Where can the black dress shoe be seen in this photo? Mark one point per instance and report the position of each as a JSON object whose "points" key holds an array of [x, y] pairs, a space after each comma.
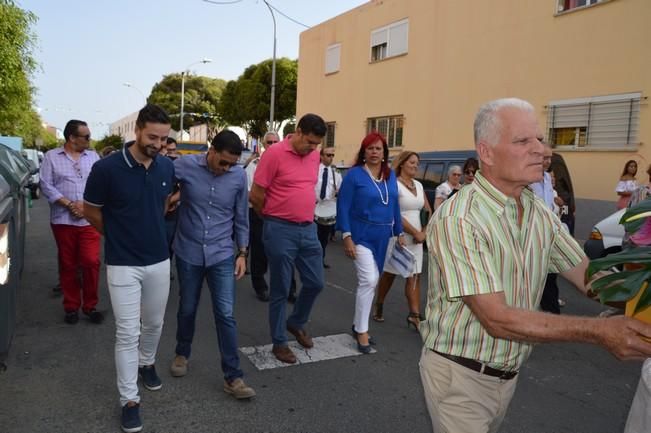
{"points": [[326, 266], [71, 317], [262, 296], [94, 316]]}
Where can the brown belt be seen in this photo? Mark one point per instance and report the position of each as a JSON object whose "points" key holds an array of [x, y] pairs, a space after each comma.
{"points": [[479, 367]]}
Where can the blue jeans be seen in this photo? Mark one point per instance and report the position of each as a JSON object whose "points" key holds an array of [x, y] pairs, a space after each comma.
{"points": [[288, 245], [221, 282]]}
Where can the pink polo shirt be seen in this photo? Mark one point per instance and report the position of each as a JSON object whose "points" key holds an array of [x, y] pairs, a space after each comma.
{"points": [[289, 180]]}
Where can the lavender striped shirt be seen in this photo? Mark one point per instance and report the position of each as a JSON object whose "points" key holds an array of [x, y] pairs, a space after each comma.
{"points": [[62, 176]]}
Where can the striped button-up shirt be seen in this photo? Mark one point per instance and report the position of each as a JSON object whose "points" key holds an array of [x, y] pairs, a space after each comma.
{"points": [[62, 176], [476, 247]]}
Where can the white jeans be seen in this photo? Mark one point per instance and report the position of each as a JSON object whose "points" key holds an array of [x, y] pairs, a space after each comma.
{"points": [[139, 297], [367, 278]]}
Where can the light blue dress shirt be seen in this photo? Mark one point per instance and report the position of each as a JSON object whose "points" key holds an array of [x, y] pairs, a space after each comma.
{"points": [[213, 214]]}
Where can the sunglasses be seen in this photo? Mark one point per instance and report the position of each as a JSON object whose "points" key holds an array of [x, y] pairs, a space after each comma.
{"points": [[329, 155], [470, 172], [85, 137], [271, 141], [223, 163]]}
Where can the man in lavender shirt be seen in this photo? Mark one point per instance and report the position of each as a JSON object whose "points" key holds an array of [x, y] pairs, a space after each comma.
{"points": [[63, 178], [211, 244]]}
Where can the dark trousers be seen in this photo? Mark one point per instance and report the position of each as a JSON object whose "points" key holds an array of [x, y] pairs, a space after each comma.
{"points": [[257, 256], [258, 259], [324, 232], [549, 300]]}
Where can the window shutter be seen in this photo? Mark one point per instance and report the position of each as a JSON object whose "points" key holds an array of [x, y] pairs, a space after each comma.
{"points": [[332, 59], [614, 123], [570, 116], [379, 37], [398, 38]]}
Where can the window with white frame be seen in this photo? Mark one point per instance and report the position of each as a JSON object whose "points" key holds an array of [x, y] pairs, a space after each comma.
{"points": [[329, 139], [332, 58], [609, 121], [389, 41], [566, 5], [390, 126]]}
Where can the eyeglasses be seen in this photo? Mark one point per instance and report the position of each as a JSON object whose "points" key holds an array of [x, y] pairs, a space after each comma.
{"points": [[329, 155], [271, 141], [85, 137], [456, 174]]}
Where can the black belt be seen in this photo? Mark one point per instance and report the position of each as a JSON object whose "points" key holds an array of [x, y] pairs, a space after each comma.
{"points": [[284, 221], [478, 366]]}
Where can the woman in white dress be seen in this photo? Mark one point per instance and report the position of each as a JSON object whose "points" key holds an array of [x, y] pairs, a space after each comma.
{"points": [[444, 190], [627, 184], [412, 200]]}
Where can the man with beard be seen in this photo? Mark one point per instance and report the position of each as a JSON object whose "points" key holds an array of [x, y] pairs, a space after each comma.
{"points": [[63, 178], [126, 197]]}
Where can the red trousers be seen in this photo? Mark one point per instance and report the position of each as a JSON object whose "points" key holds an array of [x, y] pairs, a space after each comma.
{"points": [[78, 251]]}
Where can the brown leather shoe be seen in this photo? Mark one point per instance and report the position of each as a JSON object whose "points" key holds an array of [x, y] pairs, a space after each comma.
{"points": [[284, 354], [302, 337]]}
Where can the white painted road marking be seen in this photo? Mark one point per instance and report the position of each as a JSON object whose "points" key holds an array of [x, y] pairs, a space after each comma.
{"points": [[325, 348]]}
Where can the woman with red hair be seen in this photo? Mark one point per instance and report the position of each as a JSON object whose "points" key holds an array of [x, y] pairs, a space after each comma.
{"points": [[368, 215]]}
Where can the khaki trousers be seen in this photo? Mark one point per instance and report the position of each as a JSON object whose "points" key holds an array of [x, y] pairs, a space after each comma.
{"points": [[460, 400]]}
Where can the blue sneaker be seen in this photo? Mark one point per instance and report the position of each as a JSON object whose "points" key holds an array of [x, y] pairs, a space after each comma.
{"points": [[149, 377], [131, 419]]}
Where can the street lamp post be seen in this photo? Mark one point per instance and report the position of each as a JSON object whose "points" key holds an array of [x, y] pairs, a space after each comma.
{"points": [[204, 60], [273, 72], [127, 84]]}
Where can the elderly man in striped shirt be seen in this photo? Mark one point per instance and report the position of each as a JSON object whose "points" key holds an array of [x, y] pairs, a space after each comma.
{"points": [[491, 248]]}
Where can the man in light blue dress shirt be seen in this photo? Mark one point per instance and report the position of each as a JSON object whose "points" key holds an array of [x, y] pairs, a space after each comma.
{"points": [[211, 243]]}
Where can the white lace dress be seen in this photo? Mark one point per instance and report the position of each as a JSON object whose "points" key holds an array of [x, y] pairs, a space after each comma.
{"points": [[410, 207]]}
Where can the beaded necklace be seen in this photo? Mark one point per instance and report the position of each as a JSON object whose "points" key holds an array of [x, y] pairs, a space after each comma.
{"points": [[375, 181]]}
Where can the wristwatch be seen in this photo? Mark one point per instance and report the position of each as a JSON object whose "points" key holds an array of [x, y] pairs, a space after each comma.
{"points": [[243, 253]]}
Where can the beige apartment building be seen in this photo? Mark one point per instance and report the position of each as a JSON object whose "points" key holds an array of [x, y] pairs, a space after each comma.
{"points": [[417, 70]]}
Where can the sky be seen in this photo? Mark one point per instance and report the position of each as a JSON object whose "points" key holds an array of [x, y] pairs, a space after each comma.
{"points": [[88, 49]]}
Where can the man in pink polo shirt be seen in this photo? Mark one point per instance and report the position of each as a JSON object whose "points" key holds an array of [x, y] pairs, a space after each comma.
{"points": [[283, 193]]}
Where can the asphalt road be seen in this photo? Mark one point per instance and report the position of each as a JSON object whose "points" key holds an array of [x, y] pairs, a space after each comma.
{"points": [[61, 378]]}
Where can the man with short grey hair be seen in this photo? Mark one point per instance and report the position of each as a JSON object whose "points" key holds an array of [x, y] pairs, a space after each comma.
{"points": [[491, 247]]}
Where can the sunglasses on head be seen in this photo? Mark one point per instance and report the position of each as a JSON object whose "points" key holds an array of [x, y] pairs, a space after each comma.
{"points": [[85, 137]]}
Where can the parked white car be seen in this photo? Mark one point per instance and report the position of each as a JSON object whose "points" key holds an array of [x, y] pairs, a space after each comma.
{"points": [[606, 237]]}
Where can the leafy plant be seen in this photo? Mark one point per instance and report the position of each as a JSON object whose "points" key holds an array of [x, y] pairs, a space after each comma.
{"points": [[636, 258]]}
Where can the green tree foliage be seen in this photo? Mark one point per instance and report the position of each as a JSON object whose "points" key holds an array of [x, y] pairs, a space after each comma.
{"points": [[17, 117], [202, 95], [245, 101], [109, 140], [49, 141]]}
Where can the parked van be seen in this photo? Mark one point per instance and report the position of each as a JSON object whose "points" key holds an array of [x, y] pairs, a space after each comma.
{"points": [[433, 170], [434, 166]]}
